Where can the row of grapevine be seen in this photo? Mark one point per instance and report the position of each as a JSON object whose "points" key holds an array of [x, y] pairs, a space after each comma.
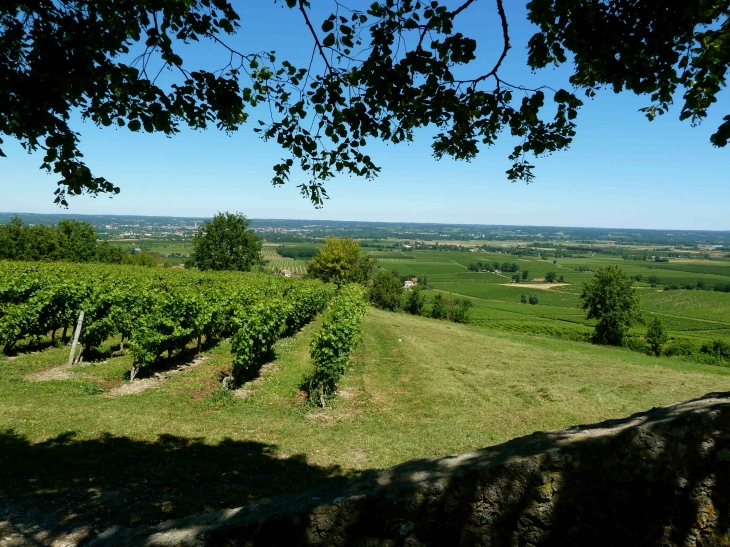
{"points": [[331, 346], [270, 320], [154, 310]]}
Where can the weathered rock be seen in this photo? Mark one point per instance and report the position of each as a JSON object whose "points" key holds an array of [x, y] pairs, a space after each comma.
{"points": [[657, 478]]}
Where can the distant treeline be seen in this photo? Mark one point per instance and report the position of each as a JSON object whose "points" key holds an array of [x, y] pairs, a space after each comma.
{"points": [[69, 240], [297, 251]]}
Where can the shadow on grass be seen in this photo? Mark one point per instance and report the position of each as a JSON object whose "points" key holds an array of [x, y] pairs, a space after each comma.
{"points": [[30, 346], [64, 484], [656, 479]]}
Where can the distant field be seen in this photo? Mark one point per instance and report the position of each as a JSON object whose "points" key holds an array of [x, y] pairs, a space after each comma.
{"points": [[295, 266], [692, 314], [270, 253]]}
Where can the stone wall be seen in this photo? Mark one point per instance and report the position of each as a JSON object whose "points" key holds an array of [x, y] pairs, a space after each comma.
{"points": [[656, 478]]}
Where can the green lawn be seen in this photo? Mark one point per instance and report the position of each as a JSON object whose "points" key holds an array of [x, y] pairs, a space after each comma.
{"points": [[418, 387]]}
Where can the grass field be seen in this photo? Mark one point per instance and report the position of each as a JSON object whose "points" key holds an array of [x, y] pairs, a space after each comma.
{"points": [[692, 314], [418, 387]]}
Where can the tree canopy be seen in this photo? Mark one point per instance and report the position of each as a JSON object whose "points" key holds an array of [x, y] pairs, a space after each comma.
{"points": [[340, 261], [610, 298], [71, 241], [377, 72], [225, 243]]}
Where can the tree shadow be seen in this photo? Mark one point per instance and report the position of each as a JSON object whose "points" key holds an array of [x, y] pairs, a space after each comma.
{"points": [[30, 345], [664, 483], [658, 478], [59, 486]]}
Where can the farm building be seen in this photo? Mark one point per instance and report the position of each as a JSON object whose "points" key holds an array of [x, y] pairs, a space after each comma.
{"points": [[410, 283]]}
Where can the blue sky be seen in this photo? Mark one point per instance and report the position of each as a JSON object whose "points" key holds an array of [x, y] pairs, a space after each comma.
{"points": [[621, 171]]}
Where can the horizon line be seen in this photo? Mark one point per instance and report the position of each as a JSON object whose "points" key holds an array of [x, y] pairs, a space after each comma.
{"points": [[373, 222]]}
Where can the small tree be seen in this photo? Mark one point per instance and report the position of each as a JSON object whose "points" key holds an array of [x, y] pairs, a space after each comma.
{"points": [[414, 301], [656, 335], [386, 292], [525, 273], [458, 310], [341, 261], [534, 299], [225, 243], [609, 297], [550, 277], [438, 310], [523, 299]]}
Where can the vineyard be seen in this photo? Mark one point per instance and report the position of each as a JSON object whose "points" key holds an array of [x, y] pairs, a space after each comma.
{"points": [[154, 311], [294, 266]]}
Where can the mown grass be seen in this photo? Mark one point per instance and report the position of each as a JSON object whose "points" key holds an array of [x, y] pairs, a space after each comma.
{"points": [[417, 387]]}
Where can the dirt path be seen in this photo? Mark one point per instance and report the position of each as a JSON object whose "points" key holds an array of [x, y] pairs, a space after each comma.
{"points": [[538, 286], [144, 384], [61, 372]]}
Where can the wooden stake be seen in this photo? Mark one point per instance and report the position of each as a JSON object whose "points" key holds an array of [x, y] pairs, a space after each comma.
{"points": [[77, 333]]}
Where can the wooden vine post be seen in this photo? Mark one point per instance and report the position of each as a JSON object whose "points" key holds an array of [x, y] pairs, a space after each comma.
{"points": [[77, 333]]}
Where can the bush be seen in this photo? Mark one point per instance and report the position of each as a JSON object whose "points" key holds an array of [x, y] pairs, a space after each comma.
{"points": [[656, 336], [680, 348], [331, 345], [534, 299], [438, 310], [523, 299], [387, 291], [716, 348], [414, 301], [636, 344], [458, 310]]}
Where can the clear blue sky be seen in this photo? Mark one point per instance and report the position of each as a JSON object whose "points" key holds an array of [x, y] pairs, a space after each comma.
{"points": [[621, 171]]}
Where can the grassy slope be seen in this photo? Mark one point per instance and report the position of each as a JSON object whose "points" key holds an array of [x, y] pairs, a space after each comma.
{"points": [[443, 388], [418, 387]]}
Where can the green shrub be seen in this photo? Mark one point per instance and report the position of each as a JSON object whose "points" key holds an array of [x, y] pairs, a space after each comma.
{"points": [[331, 346], [716, 348], [534, 299], [438, 309], [680, 348], [656, 336], [414, 301], [523, 299], [457, 310], [636, 344]]}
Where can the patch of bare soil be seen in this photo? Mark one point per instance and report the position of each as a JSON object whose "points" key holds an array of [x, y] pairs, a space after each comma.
{"points": [[538, 286], [61, 372], [144, 384]]}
